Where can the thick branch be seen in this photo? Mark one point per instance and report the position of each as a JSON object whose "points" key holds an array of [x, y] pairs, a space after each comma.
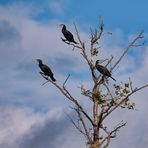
{"points": [[66, 93], [84, 54]]}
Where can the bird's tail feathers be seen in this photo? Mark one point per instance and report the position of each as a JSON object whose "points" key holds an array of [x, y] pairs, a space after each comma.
{"points": [[75, 42], [53, 79], [113, 79]]}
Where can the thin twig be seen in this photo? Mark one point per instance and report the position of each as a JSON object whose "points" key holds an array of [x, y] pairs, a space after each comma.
{"points": [[143, 43], [85, 92], [124, 99], [130, 83], [111, 134], [66, 80], [76, 126], [109, 91], [84, 125], [125, 51], [91, 66], [45, 82]]}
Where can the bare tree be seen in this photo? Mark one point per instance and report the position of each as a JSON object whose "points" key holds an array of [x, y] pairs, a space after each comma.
{"points": [[104, 103]]}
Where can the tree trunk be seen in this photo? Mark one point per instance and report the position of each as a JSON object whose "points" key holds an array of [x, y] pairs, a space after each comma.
{"points": [[96, 144]]}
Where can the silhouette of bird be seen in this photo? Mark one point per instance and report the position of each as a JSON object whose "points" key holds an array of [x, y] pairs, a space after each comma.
{"points": [[45, 69], [103, 70], [67, 34]]}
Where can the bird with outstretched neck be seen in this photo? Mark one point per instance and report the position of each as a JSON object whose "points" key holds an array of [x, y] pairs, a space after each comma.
{"points": [[45, 69], [67, 34], [103, 70]]}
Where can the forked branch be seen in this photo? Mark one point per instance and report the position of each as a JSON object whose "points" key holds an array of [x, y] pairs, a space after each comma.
{"points": [[111, 134], [67, 94]]}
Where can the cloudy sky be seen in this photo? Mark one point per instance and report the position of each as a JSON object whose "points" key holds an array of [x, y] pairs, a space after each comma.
{"points": [[31, 115]]}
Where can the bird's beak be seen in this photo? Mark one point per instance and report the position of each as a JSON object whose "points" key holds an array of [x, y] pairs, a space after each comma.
{"points": [[36, 61], [60, 26]]}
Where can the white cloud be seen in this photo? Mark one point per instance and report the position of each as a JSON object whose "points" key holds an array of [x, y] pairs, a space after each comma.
{"points": [[15, 122]]}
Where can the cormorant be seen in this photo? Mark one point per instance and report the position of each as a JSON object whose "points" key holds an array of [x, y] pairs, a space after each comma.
{"points": [[103, 70], [67, 34], [45, 69]]}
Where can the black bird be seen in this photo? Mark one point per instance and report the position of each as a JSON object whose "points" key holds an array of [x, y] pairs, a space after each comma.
{"points": [[67, 34], [45, 69], [103, 70]]}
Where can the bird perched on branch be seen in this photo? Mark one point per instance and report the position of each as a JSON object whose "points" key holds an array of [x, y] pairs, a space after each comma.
{"points": [[103, 70], [45, 69], [67, 34]]}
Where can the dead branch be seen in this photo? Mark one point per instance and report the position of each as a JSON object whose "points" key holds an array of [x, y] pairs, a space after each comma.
{"points": [[111, 134], [126, 50], [45, 82], [66, 81], [96, 35], [84, 54], [75, 125], [138, 45], [100, 110], [67, 94], [72, 44], [86, 93], [109, 91], [78, 36], [83, 124], [122, 100], [76, 102], [130, 83]]}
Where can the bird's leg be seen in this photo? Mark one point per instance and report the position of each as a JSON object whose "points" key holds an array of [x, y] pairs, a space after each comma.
{"points": [[41, 73], [64, 40], [103, 78], [44, 77]]}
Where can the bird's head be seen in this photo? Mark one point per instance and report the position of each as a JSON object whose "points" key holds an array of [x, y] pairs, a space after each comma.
{"points": [[39, 61], [100, 61], [62, 26]]}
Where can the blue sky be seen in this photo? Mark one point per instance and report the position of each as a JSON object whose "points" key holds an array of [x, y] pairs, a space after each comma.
{"points": [[128, 15], [28, 30]]}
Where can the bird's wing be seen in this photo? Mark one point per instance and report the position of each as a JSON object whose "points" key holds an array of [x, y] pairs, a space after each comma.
{"points": [[46, 69], [100, 68], [107, 73], [69, 34], [104, 70]]}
